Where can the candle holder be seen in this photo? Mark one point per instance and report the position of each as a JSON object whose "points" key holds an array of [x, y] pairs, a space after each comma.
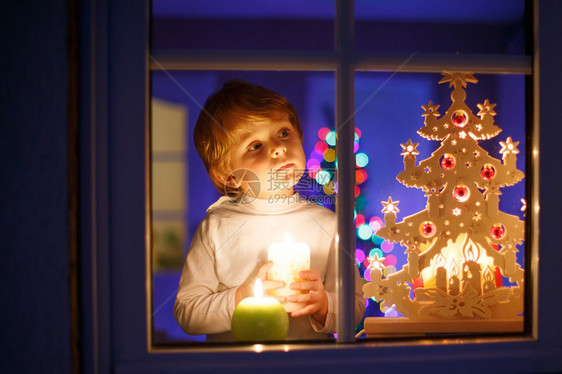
{"points": [[289, 258], [460, 235]]}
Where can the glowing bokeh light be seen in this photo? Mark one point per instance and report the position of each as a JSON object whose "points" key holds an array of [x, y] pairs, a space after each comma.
{"points": [[376, 251], [331, 138], [360, 176], [375, 223], [323, 132], [357, 191], [389, 270], [360, 255], [364, 232], [313, 163], [387, 246], [322, 177], [359, 220], [313, 170], [361, 159], [330, 155], [391, 313], [367, 275], [357, 132], [390, 260], [355, 147], [328, 188], [320, 147], [377, 240]]}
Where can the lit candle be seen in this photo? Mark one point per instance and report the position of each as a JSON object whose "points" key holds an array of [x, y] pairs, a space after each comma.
{"points": [[471, 271], [454, 283], [289, 258], [489, 280], [259, 318], [441, 273]]}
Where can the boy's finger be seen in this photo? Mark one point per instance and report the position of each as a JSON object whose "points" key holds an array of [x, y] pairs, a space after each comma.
{"points": [[309, 309], [272, 284], [262, 270], [305, 285], [311, 275]]}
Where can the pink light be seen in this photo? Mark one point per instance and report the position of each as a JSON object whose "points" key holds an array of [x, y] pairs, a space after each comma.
{"points": [[323, 132], [355, 147], [313, 163], [390, 260], [387, 246], [358, 132], [359, 255], [321, 147], [359, 220]]}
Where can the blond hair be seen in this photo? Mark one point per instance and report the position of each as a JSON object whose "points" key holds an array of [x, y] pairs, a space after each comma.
{"points": [[235, 103]]}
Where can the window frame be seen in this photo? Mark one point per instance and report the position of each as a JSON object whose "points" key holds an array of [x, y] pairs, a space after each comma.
{"points": [[115, 215]]}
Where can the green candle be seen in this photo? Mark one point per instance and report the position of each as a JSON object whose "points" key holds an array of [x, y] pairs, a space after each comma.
{"points": [[259, 318]]}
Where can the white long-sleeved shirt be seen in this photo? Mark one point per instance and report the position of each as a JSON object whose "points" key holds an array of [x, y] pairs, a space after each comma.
{"points": [[229, 246]]}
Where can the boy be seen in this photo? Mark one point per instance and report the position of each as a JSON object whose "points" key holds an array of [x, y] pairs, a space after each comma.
{"points": [[250, 140]]}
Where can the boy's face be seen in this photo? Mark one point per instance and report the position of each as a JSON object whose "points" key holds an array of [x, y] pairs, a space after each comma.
{"points": [[273, 151]]}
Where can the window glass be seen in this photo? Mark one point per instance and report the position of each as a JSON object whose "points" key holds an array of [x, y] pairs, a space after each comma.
{"points": [[390, 120], [243, 25], [181, 188], [441, 26]]}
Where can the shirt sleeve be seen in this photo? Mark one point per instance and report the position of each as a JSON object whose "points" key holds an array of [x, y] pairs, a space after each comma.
{"points": [[201, 307]]}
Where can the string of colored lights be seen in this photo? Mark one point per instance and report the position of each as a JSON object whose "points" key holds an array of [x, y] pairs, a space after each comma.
{"points": [[321, 167]]}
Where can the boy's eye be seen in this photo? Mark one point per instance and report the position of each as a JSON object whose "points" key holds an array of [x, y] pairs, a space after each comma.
{"points": [[284, 133], [254, 147]]}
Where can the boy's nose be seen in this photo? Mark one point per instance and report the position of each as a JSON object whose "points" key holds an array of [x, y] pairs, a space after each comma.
{"points": [[278, 150]]}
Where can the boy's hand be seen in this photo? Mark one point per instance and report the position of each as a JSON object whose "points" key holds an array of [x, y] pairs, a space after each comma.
{"points": [[247, 289], [316, 299]]}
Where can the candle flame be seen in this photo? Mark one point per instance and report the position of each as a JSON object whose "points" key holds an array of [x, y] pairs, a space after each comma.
{"points": [[489, 274], [470, 251], [440, 260], [453, 268], [258, 288]]}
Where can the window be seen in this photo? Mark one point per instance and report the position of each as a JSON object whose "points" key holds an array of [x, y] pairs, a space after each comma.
{"points": [[121, 231]]}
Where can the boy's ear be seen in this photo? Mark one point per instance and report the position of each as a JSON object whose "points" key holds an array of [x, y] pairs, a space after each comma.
{"points": [[232, 182], [228, 180]]}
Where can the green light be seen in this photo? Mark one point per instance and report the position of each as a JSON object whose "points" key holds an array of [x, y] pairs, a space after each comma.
{"points": [[361, 159], [331, 138], [364, 232], [323, 177], [375, 251]]}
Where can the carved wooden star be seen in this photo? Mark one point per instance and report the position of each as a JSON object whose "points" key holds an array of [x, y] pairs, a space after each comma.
{"points": [[455, 78], [430, 109], [509, 146], [409, 148], [486, 108], [390, 206], [376, 262]]}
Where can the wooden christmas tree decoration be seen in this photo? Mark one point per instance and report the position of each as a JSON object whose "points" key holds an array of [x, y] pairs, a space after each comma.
{"points": [[461, 242]]}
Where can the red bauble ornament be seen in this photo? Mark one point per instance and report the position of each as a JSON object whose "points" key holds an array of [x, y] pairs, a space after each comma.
{"points": [[461, 193], [448, 162], [459, 119], [427, 229], [488, 172], [497, 231]]}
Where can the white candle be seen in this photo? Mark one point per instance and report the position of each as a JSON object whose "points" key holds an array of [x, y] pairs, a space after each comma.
{"points": [[289, 258]]}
